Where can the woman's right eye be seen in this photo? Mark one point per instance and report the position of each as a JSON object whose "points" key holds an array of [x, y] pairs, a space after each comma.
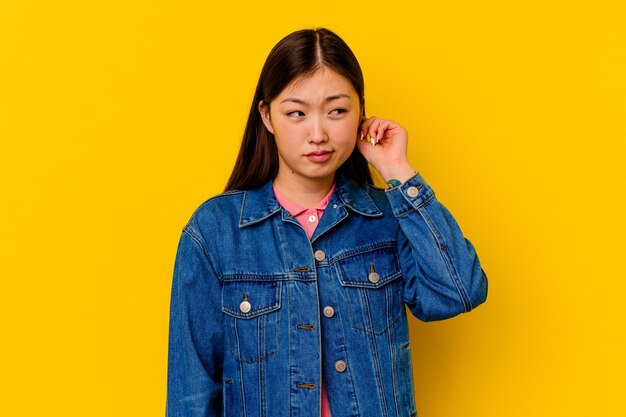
{"points": [[296, 113]]}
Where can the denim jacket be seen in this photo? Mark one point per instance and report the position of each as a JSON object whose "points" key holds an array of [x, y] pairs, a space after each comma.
{"points": [[261, 315]]}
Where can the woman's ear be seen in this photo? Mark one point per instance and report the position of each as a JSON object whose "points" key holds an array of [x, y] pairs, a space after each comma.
{"points": [[264, 109]]}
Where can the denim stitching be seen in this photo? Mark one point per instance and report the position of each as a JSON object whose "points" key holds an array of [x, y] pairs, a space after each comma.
{"points": [[200, 242], [261, 333], [384, 284], [392, 353], [265, 309], [289, 350], [260, 346], [318, 232], [239, 359], [236, 277], [262, 365], [342, 340], [374, 350], [408, 378], [380, 284], [353, 323], [412, 207], [363, 249], [319, 321], [373, 332], [256, 313], [242, 396], [216, 197], [447, 260], [243, 204], [377, 213]]}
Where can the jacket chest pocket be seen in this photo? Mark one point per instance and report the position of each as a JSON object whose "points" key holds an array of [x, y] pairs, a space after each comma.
{"points": [[251, 311], [373, 286]]}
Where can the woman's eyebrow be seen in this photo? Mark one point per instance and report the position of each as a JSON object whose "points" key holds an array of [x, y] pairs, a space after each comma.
{"points": [[337, 96], [329, 98]]}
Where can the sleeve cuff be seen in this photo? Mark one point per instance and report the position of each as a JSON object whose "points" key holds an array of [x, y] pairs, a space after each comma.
{"points": [[409, 196]]}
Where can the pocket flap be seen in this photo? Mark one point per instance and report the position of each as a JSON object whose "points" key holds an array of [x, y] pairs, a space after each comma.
{"points": [[263, 297], [357, 270]]}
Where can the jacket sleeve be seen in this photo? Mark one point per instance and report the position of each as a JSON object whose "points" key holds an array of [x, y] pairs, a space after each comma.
{"points": [[195, 351], [442, 272]]}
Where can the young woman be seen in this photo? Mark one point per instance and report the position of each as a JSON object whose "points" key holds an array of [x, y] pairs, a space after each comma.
{"points": [[289, 289]]}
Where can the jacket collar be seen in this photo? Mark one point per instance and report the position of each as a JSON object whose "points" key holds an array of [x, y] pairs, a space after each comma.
{"points": [[260, 203]]}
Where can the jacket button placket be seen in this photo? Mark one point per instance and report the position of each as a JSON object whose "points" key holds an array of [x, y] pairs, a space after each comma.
{"points": [[331, 348]]}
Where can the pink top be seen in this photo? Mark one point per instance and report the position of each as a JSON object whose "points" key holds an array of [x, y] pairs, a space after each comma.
{"points": [[309, 219]]}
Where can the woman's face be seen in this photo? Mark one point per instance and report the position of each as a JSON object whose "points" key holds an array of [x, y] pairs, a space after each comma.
{"points": [[314, 121]]}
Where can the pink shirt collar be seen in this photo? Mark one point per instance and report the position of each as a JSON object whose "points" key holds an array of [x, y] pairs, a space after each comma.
{"points": [[308, 218], [294, 208]]}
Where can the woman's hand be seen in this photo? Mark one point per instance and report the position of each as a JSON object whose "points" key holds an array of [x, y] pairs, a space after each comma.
{"points": [[384, 143]]}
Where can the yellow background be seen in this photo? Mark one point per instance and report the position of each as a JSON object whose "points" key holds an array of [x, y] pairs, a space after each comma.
{"points": [[118, 118]]}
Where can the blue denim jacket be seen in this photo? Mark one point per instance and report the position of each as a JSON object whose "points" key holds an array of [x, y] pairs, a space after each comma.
{"points": [[261, 315]]}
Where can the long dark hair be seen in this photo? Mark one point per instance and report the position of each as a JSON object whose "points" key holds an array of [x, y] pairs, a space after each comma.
{"points": [[298, 54]]}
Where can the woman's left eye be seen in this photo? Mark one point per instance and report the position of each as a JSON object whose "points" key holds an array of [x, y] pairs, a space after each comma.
{"points": [[337, 112]]}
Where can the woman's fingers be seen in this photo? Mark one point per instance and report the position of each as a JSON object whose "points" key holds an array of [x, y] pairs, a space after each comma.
{"points": [[392, 140], [382, 128], [374, 129], [370, 130]]}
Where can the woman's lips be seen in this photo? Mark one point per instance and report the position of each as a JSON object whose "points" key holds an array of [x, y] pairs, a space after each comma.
{"points": [[319, 156]]}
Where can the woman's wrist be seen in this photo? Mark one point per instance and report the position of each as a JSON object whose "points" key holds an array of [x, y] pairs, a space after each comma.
{"points": [[399, 172]]}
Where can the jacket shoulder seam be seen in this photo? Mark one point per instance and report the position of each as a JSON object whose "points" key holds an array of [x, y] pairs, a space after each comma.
{"points": [[208, 201], [200, 242]]}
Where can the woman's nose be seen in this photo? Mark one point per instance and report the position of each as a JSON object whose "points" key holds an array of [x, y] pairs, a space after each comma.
{"points": [[317, 132]]}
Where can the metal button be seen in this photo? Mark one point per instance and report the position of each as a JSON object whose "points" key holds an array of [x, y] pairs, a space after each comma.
{"points": [[320, 255], [329, 311], [311, 218], [412, 191], [373, 277], [340, 366], [335, 206], [245, 306]]}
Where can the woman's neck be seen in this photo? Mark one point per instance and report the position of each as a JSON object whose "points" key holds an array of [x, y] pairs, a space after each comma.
{"points": [[305, 192]]}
